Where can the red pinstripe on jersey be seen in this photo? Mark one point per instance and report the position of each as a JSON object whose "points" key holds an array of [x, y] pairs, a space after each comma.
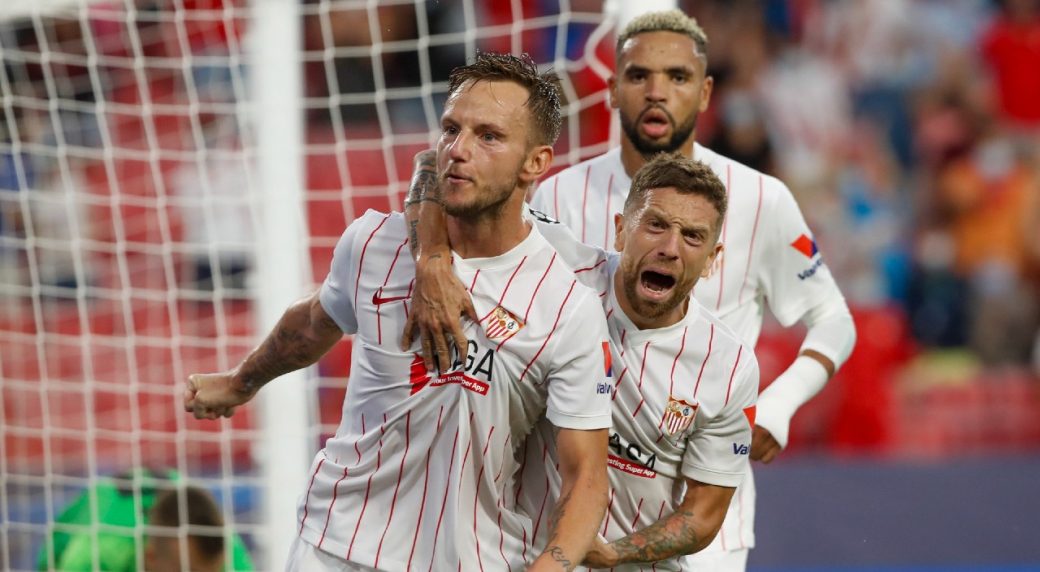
{"points": [[397, 486], [308, 496], [729, 386], [642, 370], [379, 292], [361, 260], [527, 313], [444, 502], [608, 213], [610, 504], [751, 245], [476, 493], [725, 225], [584, 201], [551, 332], [711, 339]]}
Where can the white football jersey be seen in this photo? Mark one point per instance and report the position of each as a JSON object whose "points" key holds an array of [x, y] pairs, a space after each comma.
{"points": [[683, 405], [421, 472], [769, 255]]}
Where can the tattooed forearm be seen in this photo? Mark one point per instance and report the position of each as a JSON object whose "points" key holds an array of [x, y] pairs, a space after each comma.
{"points": [[557, 514], [671, 536], [556, 553], [298, 340], [424, 180]]}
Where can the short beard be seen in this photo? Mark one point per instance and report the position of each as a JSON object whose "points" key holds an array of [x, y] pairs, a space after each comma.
{"points": [[646, 310], [489, 204], [648, 149]]}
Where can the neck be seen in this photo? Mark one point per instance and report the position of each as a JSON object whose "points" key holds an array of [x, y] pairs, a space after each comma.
{"points": [[633, 160], [669, 318], [490, 234]]}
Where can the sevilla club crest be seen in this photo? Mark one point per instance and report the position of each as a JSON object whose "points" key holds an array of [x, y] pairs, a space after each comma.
{"points": [[501, 324], [678, 415]]}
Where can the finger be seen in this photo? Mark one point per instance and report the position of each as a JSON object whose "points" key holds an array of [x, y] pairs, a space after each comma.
{"points": [[427, 349], [461, 343], [409, 332], [770, 454], [443, 354]]}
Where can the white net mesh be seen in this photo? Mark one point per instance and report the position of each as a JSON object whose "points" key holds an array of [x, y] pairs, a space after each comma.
{"points": [[128, 213]]}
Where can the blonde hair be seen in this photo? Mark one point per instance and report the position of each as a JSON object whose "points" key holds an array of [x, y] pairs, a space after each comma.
{"points": [[666, 21]]}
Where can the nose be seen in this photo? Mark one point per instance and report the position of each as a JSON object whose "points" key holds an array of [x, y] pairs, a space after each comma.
{"points": [[668, 245], [458, 149], [656, 88]]}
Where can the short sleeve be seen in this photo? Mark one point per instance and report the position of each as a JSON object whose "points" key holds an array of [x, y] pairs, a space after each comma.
{"points": [[717, 453], [580, 386], [795, 274], [588, 263], [337, 292]]}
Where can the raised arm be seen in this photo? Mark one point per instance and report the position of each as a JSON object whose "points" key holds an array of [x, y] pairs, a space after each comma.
{"points": [[304, 333], [689, 529], [583, 498], [439, 298]]}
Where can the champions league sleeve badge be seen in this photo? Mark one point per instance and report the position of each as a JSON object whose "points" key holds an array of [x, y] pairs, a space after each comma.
{"points": [[678, 415]]}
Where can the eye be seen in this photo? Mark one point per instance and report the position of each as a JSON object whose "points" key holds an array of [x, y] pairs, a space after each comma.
{"points": [[636, 76], [656, 224], [680, 78], [489, 137]]}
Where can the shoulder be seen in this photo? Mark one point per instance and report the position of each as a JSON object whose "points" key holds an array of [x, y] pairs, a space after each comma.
{"points": [[744, 183], [724, 337], [600, 166]]}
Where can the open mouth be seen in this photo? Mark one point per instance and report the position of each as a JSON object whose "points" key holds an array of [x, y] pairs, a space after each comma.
{"points": [[656, 282], [655, 122]]}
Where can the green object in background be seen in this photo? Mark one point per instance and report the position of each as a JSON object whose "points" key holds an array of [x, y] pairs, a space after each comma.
{"points": [[117, 527]]}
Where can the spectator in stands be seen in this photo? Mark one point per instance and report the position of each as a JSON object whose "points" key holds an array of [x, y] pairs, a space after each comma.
{"points": [[1011, 47]]}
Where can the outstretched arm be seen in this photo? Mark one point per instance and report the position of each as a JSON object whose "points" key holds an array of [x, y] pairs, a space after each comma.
{"points": [[439, 298], [583, 498], [304, 333], [689, 529]]}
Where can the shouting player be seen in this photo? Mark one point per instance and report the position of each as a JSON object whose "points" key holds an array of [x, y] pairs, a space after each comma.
{"points": [[422, 470], [660, 87], [685, 385]]}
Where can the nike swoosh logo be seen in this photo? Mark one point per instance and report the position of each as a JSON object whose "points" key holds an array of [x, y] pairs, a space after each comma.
{"points": [[379, 301]]}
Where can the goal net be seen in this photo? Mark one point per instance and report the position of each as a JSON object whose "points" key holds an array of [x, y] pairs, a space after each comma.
{"points": [[142, 146]]}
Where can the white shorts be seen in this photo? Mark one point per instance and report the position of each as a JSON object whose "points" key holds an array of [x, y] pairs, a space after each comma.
{"points": [[305, 557], [722, 561]]}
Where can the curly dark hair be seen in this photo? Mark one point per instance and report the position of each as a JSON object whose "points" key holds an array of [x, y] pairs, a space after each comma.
{"points": [[544, 88]]}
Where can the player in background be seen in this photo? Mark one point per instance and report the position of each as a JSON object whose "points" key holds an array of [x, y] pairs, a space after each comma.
{"points": [[685, 384], [112, 526], [203, 546], [660, 87], [422, 470]]}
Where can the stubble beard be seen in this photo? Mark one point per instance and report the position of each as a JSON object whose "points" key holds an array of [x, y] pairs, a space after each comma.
{"points": [[489, 202], [648, 148], [647, 309]]}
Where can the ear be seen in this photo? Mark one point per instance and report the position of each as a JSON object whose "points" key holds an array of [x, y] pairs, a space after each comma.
{"points": [[612, 97], [538, 161], [706, 87], [709, 265], [620, 237]]}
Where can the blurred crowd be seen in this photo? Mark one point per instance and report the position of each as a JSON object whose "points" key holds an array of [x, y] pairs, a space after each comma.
{"points": [[909, 130]]}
